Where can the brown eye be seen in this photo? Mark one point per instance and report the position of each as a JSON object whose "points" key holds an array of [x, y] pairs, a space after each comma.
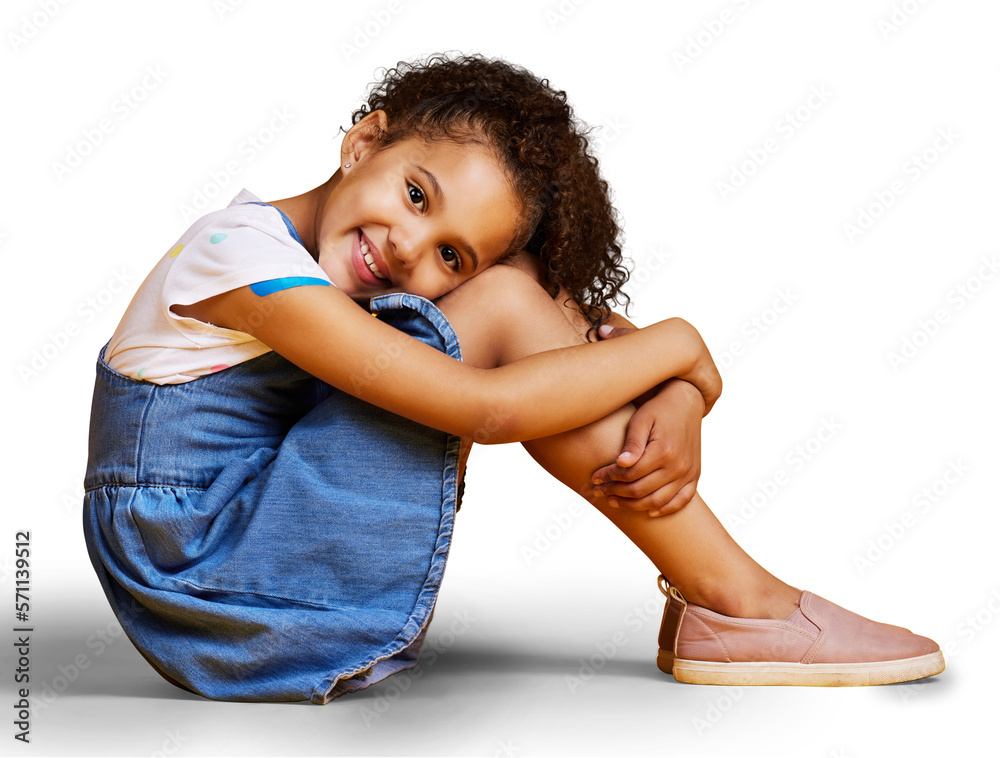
{"points": [[452, 258], [416, 195]]}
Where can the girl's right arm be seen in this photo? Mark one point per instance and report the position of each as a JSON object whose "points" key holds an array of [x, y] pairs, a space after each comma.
{"points": [[324, 332]]}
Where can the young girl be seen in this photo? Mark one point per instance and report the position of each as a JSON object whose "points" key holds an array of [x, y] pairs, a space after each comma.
{"points": [[274, 473]]}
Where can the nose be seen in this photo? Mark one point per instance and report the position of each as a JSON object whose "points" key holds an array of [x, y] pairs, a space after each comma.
{"points": [[408, 244]]}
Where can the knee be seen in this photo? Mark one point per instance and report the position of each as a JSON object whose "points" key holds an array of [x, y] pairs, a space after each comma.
{"points": [[496, 291], [503, 314]]}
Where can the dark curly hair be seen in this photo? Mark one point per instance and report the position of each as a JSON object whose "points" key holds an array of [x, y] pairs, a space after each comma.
{"points": [[568, 220]]}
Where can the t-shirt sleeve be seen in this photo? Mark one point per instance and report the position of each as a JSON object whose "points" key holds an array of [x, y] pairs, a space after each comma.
{"points": [[235, 247]]}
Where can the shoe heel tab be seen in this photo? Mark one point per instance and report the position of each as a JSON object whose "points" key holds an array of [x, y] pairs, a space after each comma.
{"points": [[673, 616], [669, 591]]}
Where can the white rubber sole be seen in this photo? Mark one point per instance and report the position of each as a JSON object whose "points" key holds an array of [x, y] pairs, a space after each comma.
{"points": [[801, 674]]}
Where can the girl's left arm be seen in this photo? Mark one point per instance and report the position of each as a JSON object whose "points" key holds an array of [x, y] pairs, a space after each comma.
{"points": [[321, 330], [659, 465]]}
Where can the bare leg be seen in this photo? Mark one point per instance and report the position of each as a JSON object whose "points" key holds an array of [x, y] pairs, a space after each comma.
{"points": [[690, 548], [502, 315]]}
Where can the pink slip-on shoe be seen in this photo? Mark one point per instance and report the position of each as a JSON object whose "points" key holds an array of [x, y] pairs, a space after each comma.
{"points": [[820, 645]]}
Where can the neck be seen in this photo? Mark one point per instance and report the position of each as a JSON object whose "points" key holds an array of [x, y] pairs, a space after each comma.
{"points": [[304, 211]]}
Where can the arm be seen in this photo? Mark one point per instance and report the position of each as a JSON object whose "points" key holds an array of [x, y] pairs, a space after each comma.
{"points": [[532, 266], [621, 325], [658, 468], [321, 330]]}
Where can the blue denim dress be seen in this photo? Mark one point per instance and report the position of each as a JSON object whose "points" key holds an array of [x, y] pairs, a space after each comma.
{"points": [[263, 536]]}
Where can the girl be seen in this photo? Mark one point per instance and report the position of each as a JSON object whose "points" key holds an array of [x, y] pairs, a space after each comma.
{"points": [[273, 473]]}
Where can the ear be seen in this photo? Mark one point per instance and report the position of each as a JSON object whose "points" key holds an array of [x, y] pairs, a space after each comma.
{"points": [[362, 138]]}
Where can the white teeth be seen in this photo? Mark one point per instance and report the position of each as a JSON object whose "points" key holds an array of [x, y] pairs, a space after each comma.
{"points": [[371, 264], [370, 260]]}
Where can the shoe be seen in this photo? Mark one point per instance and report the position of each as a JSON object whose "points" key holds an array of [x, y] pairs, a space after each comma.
{"points": [[820, 645]]}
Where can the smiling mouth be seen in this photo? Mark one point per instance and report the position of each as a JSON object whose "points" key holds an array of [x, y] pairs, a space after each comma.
{"points": [[369, 258]]}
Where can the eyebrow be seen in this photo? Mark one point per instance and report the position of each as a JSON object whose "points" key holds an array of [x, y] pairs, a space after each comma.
{"points": [[438, 194], [439, 199]]}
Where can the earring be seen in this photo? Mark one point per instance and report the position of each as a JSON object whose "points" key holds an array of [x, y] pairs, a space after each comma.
{"points": [[347, 165]]}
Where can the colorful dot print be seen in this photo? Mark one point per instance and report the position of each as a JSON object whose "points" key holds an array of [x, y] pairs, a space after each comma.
{"points": [[216, 238], [219, 367], [176, 251]]}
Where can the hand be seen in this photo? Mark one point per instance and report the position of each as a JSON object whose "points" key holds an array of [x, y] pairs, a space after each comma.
{"points": [[658, 468], [706, 378]]}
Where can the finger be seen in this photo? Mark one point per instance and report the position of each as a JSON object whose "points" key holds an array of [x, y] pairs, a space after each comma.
{"points": [[608, 332], [656, 457], [649, 495], [615, 473], [637, 436], [643, 486], [684, 496], [631, 451], [651, 502]]}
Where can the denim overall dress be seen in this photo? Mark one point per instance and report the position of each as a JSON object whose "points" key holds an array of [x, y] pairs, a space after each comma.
{"points": [[263, 536]]}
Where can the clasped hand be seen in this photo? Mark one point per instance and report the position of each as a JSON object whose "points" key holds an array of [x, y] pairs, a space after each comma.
{"points": [[658, 468]]}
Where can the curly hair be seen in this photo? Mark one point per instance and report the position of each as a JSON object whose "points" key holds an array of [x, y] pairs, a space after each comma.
{"points": [[568, 221]]}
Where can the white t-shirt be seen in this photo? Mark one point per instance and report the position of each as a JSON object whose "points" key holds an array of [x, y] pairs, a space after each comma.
{"points": [[247, 243]]}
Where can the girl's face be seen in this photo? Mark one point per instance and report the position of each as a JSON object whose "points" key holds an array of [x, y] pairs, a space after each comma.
{"points": [[417, 217]]}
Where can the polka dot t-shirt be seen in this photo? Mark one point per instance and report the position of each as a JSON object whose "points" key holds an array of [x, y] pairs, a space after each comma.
{"points": [[247, 243]]}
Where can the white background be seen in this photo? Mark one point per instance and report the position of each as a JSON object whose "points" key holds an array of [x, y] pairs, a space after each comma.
{"points": [[514, 628]]}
